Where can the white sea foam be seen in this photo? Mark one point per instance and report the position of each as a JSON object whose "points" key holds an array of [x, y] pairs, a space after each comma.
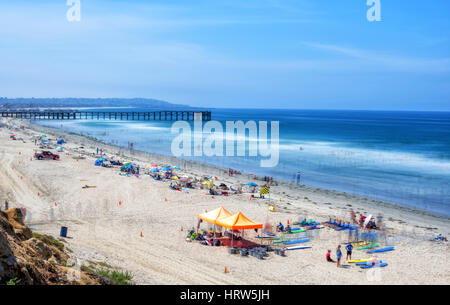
{"points": [[340, 152]]}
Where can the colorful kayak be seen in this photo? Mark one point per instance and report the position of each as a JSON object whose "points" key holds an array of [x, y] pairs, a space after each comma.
{"points": [[299, 241], [367, 247], [381, 250], [371, 266], [361, 260], [297, 248]]}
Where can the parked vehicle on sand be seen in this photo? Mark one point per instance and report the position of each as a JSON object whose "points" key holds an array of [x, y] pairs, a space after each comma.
{"points": [[46, 155]]}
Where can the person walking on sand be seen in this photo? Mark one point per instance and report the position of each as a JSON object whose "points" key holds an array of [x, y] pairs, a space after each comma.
{"points": [[353, 216], [349, 248], [338, 256]]}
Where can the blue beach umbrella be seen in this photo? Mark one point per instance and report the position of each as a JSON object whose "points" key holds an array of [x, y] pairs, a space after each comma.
{"points": [[154, 170], [166, 169], [176, 167], [252, 184]]}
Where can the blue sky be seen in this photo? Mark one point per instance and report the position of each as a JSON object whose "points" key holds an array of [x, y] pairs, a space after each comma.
{"points": [[306, 54]]}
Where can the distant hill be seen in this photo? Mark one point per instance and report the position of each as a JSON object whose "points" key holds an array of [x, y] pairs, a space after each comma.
{"points": [[17, 103]]}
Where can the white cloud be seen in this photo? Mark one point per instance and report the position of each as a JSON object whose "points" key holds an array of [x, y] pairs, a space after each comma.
{"points": [[384, 60]]}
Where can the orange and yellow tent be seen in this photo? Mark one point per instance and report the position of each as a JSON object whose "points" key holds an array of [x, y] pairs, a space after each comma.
{"points": [[214, 215], [238, 221]]}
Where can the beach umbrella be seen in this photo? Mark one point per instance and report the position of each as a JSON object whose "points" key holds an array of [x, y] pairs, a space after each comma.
{"points": [[208, 183], [154, 165], [176, 167], [12, 135], [43, 136], [166, 169], [252, 184], [175, 178], [213, 177], [10, 132], [154, 170]]}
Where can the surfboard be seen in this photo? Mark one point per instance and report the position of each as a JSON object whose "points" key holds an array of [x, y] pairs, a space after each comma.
{"points": [[381, 250], [361, 244], [368, 263], [297, 248], [361, 260], [297, 231], [367, 247], [371, 266], [292, 242]]}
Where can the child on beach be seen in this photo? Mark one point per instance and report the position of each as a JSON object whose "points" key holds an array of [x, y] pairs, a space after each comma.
{"points": [[338, 256], [328, 257], [349, 248]]}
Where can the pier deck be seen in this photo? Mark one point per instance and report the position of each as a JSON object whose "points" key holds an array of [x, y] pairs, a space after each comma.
{"points": [[169, 115]]}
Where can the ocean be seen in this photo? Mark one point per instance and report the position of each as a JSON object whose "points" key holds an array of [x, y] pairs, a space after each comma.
{"points": [[401, 157]]}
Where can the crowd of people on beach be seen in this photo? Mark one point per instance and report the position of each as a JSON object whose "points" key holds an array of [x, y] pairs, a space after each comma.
{"points": [[354, 224]]}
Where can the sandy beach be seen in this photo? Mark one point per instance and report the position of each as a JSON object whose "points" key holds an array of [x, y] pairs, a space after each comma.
{"points": [[101, 229]]}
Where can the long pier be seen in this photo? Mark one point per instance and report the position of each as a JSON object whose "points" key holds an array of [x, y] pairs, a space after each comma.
{"points": [[169, 115]]}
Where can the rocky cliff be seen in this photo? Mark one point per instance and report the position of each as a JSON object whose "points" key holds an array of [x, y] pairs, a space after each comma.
{"points": [[35, 259]]}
